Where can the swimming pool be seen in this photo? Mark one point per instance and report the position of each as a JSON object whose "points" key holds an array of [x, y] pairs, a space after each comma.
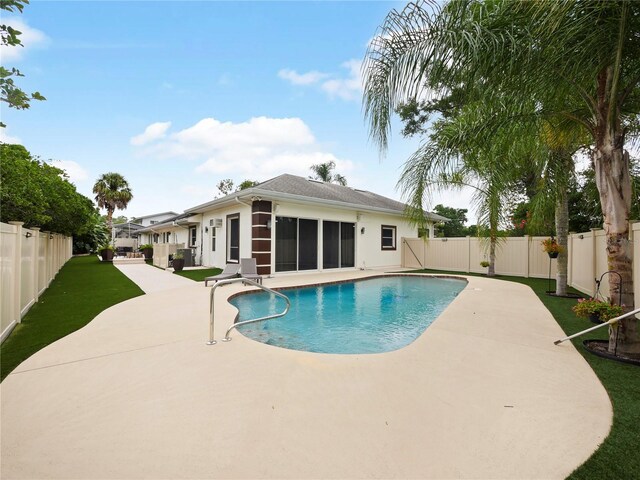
{"points": [[365, 316]]}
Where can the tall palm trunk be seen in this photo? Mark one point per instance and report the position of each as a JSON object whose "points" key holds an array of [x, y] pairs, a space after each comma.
{"points": [[562, 233], [611, 165], [491, 272]]}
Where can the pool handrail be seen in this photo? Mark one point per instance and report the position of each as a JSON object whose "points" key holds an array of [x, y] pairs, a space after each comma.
{"points": [[227, 338], [609, 322]]}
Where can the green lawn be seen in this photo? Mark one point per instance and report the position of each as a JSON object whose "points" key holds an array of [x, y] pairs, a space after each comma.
{"points": [[200, 274], [83, 288], [619, 455]]}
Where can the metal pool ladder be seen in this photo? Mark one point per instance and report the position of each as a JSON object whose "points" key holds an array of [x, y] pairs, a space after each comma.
{"points": [[227, 338]]}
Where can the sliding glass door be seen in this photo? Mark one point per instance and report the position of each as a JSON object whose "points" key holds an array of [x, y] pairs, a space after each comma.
{"points": [[296, 244], [338, 244], [308, 244]]}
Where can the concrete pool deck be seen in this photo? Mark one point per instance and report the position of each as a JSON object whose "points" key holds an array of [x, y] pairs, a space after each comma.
{"points": [[137, 393]]}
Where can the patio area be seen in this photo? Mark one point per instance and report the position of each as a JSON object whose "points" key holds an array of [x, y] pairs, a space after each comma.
{"points": [[137, 393]]}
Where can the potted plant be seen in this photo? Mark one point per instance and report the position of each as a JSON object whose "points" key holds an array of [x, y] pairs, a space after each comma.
{"points": [[552, 247], [484, 263], [106, 252], [178, 262], [596, 310], [147, 250]]}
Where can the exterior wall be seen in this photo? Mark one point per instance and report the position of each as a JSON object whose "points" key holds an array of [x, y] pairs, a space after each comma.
{"points": [[218, 258], [368, 252], [29, 260]]}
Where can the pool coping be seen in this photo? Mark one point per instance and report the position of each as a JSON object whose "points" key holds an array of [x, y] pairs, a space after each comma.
{"points": [[483, 392]]}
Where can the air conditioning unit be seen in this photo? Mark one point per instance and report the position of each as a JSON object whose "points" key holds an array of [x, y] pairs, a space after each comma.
{"points": [[217, 222]]}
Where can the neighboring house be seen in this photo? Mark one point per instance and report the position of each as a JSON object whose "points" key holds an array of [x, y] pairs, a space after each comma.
{"points": [[181, 230], [153, 219], [125, 236], [293, 224]]}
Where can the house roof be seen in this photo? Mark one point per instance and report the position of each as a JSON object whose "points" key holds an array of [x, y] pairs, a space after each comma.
{"points": [[129, 226], [180, 220], [295, 188], [155, 215]]}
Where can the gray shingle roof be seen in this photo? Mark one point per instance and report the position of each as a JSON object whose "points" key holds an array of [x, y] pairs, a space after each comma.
{"points": [[293, 186]]}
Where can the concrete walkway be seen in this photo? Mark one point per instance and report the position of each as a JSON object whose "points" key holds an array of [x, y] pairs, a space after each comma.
{"points": [[151, 279], [137, 393]]}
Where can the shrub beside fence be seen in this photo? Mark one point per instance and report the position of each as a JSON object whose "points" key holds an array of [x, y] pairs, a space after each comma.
{"points": [[29, 260], [524, 257]]}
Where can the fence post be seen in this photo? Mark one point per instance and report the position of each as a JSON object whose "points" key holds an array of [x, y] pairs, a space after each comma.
{"points": [[17, 279], [526, 251], [468, 254], [35, 260], [570, 260], [594, 261]]}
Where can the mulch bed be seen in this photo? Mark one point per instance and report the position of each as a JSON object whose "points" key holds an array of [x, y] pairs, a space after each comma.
{"points": [[601, 348]]}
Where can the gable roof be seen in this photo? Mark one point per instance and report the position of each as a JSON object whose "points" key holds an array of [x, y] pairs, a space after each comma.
{"points": [[154, 215], [304, 190]]}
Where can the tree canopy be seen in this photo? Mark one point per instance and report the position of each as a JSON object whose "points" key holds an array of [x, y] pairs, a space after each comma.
{"points": [[520, 67], [38, 194], [10, 94], [112, 192], [324, 173]]}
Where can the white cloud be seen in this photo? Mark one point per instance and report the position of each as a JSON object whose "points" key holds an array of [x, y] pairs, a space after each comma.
{"points": [[5, 138], [257, 149], [30, 38], [347, 87], [74, 171], [301, 78], [153, 132]]}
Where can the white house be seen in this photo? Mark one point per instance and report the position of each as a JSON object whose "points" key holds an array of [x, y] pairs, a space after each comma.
{"points": [[293, 224], [153, 219]]}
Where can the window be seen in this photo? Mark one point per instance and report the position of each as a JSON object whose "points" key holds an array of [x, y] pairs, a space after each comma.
{"points": [[213, 239], [156, 237], [388, 237], [153, 222], [192, 236], [233, 238]]}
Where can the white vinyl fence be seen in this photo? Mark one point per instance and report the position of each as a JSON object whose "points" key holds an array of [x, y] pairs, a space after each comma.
{"points": [[29, 260], [161, 252], [523, 257]]}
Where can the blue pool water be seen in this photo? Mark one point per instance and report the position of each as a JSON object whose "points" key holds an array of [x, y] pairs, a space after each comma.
{"points": [[367, 316]]}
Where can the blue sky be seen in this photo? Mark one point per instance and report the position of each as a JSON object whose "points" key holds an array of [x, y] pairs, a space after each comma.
{"points": [[179, 95]]}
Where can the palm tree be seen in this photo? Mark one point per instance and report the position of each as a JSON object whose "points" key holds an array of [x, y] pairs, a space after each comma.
{"points": [[444, 161], [112, 192], [324, 173], [576, 60]]}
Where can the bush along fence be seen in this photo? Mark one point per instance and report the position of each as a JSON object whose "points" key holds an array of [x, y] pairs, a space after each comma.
{"points": [[29, 261], [524, 257]]}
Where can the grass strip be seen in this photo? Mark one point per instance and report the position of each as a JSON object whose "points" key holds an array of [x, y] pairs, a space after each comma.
{"points": [[618, 457], [199, 274], [83, 288]]}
